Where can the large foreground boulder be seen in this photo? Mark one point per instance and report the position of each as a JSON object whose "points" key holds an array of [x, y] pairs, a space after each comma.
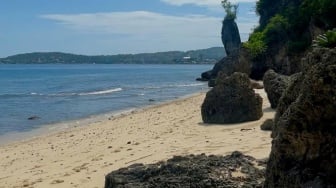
{"points": [[201, 171], [232, 100], [275, 84], [304, 145]]}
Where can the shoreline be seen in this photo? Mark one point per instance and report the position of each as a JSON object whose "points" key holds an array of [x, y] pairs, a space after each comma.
{"points": [[82, 156], [63, 126]]}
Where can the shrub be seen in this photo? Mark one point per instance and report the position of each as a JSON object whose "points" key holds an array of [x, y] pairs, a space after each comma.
{"points": [[327, 39], [276, 29], [230, 9], [256, 44]]}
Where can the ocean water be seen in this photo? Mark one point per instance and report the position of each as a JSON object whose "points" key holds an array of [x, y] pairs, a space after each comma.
{"points": [[57, 93]]}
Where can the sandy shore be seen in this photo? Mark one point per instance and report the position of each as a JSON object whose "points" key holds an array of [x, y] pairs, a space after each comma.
{"points": [[82, 156]]}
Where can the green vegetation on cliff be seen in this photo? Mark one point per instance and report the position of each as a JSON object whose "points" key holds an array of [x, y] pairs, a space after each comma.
{"points": [[287, 29], [290, 23], [210, 55], [327, 40]]}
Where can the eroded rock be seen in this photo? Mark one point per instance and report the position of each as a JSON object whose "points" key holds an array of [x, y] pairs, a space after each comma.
{"points": [[275, 84], [304, 145], [232, 100]]}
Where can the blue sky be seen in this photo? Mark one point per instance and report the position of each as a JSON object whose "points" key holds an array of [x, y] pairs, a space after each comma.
{"points": [[106, 27]]}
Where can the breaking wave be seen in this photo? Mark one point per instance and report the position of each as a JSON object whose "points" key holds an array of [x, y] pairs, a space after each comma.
{"points": [[102, 92]]}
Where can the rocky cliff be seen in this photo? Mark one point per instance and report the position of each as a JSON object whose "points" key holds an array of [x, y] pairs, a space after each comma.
{"points": [[304, 146], [285, 33]]}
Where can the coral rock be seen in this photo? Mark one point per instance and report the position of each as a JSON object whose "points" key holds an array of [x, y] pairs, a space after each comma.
{"points": [[275, 84], [304, 145], [232, 100]]}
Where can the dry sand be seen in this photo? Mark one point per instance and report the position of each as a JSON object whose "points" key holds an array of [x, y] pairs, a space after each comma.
{"points": [[82, 156]]}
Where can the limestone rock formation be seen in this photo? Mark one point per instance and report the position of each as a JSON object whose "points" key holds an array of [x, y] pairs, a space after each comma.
{"points": [[304, 145], [230, 37], [191, 171], [237, 59], [232, 100], [230, 64], [275, 84]]}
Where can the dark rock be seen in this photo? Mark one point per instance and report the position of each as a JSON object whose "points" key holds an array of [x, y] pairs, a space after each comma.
{"points": [[151, 100], [230, 64], [33, 118], [232, 100], [201, 79], [258, 69], [212, 83], [267, 125], [230, 37], [192, 171], [291, 93], [207, 75], [304, 145], [275, 84]]}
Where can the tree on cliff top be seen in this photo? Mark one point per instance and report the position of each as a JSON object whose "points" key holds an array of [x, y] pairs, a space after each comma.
{"points": [[230, 10]]}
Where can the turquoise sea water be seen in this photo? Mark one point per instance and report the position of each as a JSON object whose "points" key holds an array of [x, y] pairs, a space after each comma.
{"points": [[57, 93]]}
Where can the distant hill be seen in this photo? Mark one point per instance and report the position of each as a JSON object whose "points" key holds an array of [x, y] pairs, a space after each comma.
{"points": [[210, 56]]}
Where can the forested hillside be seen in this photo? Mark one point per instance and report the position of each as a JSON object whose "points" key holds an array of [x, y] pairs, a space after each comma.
{"points": [[210, 55]]}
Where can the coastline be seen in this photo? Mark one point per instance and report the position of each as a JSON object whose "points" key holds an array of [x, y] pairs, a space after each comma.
{"points": [[63, 126], [81, 156]]}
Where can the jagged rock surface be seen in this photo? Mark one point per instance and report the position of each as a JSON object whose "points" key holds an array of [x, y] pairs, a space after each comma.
{"points": [[275, 84], [232, 100], [304, 145], [199, 171], [230, 37]]}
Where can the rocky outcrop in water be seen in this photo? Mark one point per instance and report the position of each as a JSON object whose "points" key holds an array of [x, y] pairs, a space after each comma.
{"points": [[232, 100], [275, 84], [304, 145], [33, 118], [201, 171], [230, 37], [230, 64]]}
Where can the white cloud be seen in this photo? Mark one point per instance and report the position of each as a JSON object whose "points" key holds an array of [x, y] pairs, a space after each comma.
{"points": [[203, 2], [142, 31], [138, 23]]}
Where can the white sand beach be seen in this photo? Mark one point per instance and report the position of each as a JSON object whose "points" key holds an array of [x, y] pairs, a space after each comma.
{"points": [[82, 156]]}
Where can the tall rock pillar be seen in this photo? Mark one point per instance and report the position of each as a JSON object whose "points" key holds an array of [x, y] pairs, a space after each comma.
{"points": [[230, 36]]}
